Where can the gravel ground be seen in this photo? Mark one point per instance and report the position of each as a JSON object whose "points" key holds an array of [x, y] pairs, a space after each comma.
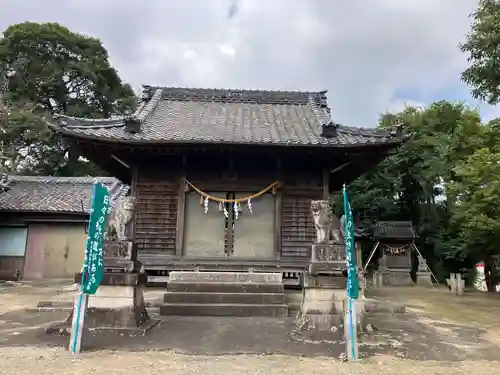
{"points": [[58, 361], [461, 332]]}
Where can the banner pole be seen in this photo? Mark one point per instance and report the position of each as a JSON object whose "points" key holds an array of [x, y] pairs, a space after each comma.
{"points": [[350, 320], [89, 283]]}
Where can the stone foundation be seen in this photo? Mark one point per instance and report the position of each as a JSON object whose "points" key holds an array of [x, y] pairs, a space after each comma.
{"points": [[327, 259], [424, 279], [378, 280], [224, 294], [397, 277], [322, 312], [224, 277], [118, 307]]}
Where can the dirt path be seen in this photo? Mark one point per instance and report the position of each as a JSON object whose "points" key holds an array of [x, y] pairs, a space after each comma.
{"points": [[57, 361]]}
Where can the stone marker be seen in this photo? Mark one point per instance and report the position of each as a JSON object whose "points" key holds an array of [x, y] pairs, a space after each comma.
{"points": [[456, 283], [424, 276]]}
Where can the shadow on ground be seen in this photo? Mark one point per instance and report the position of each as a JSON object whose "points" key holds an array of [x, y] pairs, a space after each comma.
{"points": [[403, 335]]}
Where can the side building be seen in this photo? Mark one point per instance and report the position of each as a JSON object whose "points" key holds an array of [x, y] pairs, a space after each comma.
{"points": [[43, 222]]}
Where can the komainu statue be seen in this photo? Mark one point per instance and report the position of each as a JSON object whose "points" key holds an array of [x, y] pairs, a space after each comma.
{"points": [[328, 226], [119, 217]]}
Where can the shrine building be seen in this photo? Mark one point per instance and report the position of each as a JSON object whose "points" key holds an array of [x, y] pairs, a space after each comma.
{"points": [[224, 178]]}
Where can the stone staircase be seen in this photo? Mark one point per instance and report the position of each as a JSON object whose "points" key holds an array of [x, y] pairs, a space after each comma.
{"points": [[224, 294]]}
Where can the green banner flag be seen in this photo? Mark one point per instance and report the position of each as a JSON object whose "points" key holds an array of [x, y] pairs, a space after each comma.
{"points": [[352, 279], [93, 269]]}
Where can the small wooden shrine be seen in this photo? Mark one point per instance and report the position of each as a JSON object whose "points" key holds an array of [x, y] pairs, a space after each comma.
{"points": [[223, 179], [395, 239]]}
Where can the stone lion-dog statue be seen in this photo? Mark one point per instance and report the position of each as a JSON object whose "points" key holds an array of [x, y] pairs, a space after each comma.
{"points": [[119, 217], [328, 226]]}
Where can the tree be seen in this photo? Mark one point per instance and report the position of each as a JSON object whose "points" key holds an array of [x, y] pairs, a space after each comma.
{"points": [[409, 184], [482, 45], [477, 213], [61, 72]]}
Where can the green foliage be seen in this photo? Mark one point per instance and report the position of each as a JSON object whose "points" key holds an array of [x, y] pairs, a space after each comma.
{"points": [[477, 191], [481, 44], [409, 185], [446, 178], [57, 71]]}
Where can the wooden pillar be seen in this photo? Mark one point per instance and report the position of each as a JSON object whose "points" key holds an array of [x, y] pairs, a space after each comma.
{"points": [[326, 184], [277, 225], [133, 193], [181, 209], [278, 212]]}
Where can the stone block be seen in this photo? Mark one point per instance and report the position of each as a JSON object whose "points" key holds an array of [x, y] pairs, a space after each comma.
{"points": [[321, 301], [327, 259], [328, 253], [456, 283], [226, 298], [113, 291], [322, 312], [424, 279], [118, 278], [115, 307], [339, 282], [378, 279], [460, 287], [219, 309], [211, 287], [120, 250], [397, 277], [225, 277]]}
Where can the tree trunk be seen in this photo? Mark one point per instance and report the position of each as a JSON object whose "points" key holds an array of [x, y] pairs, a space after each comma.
{"points": [[489, 274]]}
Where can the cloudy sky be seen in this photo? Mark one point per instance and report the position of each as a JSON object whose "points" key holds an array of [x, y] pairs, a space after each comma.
{"points": [[372, 56]]}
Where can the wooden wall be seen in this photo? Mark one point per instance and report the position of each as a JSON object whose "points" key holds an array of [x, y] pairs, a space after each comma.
{"points": [[297, 228], [156, 220], [160, 198]]}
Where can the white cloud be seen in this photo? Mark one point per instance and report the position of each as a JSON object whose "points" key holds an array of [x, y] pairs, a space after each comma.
{"points": [[397, 105], [361, 51]]}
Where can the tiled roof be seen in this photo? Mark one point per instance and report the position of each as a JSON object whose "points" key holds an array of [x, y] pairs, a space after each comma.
{"points": [[181, 115], [394, 230], [54, 194]]}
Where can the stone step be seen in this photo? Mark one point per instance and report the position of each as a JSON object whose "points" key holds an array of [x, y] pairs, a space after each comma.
{"points": [[224, 287], [223, 309], [236, 298], [225, 277]]}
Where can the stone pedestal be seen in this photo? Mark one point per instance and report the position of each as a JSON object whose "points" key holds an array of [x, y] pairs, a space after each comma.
{"points": [[377, 280], [324, 295], [397, 277], [118, 304], [327, 259], [120, 256], [424, 279], [395, 266], [322, 312], [424, 276]]}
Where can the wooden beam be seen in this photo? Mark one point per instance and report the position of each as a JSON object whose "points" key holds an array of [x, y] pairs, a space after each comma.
{"points": [[120, 161], [326, 184], [181, 209]]}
